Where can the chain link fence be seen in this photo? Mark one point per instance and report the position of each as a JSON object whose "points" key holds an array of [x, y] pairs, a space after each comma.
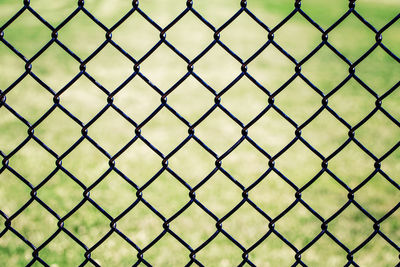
{"points": [[166, 220]]}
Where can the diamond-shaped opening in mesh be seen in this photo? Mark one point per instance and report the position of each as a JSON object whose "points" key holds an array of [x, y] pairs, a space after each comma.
{"points": [[391, 104], [25, 29], [192, 163], [29, 99], [83, 99], [139, 163], [390, 165], [137, 100], [61, 251], [115, 251], [14, 251], [13, 131], [351, 227], [146, 35], [245, 100], [140, 225], [86, 163], [352, 165], [352, 102], [325, 133], [88, 224], [378, 196], [246, 164], [61, 193], [298, 37], [325, 13], [391, 226], [379, 71], [326, 188], [240, 39], [164, 131], [161, 12], [81, 30], [11, 66], [157, 67], [110, 67], [272, 195], [271, 68], [167, 252], [298, 100], [166, 194], [272, 252], [272, 132], [55, 67], [377, 252], [325, 69], [113, 194], [219, 194], [191, 99], [299, 226], [351, 45], [246, 225], [221, 251], [389, 37], [324, 252], [378, 134], [112, 131], [194, 226], [299, 164], [378, 13], [218, 131], [190, 35], [13, 193], [53, 12], [33, 162], [58, 131], [217, 68], [35, 223]]}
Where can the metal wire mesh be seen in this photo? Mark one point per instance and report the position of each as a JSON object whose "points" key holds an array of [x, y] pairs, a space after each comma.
{"points": [[244, 73]]}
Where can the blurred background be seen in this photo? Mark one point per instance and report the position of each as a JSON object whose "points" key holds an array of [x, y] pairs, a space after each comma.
{"points": [[192, 163]]}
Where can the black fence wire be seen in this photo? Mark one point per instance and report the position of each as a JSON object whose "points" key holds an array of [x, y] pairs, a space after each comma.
{"points": [[270, 105]]}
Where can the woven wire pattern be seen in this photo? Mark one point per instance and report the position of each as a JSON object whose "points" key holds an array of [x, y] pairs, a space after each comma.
{"points": [[141, 190]]}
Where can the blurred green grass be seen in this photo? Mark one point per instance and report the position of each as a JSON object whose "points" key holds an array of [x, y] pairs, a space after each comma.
{"points": [[192, 162]]}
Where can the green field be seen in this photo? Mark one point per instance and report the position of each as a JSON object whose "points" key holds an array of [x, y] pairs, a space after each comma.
{"points": [[192, 163]]}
